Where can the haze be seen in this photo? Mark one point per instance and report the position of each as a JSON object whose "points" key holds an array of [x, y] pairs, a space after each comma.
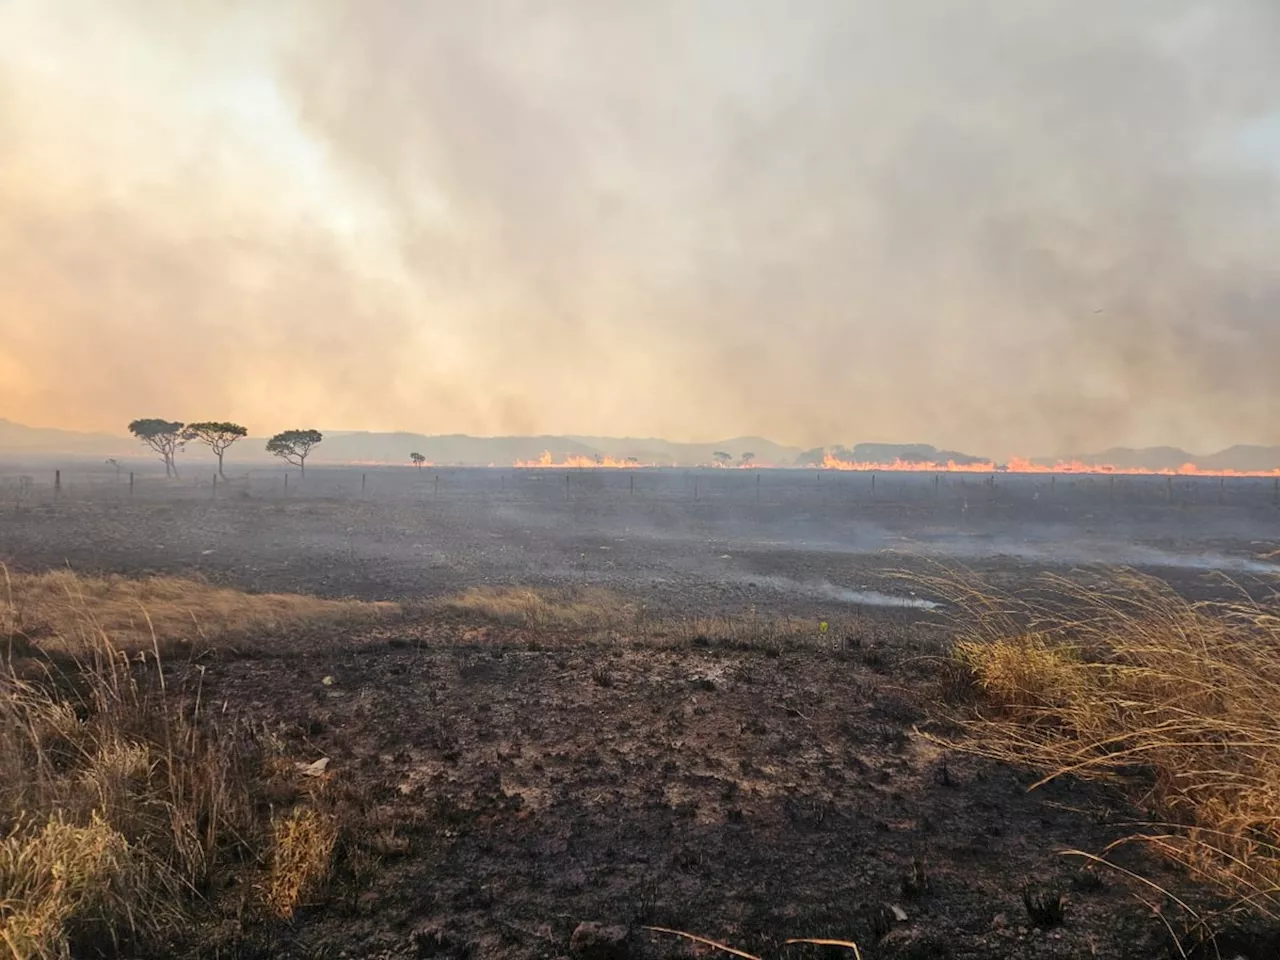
{"points": [[1030, 227]]}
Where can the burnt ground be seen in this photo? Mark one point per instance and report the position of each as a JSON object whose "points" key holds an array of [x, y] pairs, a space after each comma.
{"points": [[518, 783]]}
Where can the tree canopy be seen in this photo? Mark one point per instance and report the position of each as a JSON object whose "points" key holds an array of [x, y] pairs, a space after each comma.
{"points": [[294, 446], [165, 437], [418, 460], [217, 434]]}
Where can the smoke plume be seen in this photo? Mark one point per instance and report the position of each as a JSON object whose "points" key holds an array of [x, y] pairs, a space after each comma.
{"points": [[1027, 227]]}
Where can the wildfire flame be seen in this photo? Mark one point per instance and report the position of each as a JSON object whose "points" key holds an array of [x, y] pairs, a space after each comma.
{"points": [[1020, 465], [576, 461]]}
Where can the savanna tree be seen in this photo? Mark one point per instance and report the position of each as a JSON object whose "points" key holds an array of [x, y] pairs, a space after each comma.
{"points": [[294, 446], [721, 457], [418, 460], [217, 434], [165, 437], [747, 458]]}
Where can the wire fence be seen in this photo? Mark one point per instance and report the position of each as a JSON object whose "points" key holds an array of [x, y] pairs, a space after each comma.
{"points": [[766, 487]]}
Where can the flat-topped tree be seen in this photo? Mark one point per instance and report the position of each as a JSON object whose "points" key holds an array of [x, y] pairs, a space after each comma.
{"points": [[721, 457], [165, 437], [418, 460], [294, 446], [217, 434]]}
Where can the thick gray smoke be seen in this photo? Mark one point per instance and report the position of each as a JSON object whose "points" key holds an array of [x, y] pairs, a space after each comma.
{"points": [[1021, 228]]}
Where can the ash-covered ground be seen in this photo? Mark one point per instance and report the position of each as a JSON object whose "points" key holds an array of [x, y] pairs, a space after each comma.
{"points": [[725, 538], [522, 781]]}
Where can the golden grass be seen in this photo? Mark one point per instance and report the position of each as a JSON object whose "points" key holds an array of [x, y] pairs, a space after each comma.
{"points": [[302, 850], [585, 608], [121, 799], [72, 610], [1124, 680], [595, 610]]}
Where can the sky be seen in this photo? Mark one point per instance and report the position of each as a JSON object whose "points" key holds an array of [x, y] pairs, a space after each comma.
{"points": [[1029, 228]]}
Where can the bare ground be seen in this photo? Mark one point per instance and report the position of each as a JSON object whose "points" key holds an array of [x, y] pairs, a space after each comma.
{"points": [[510, 783], [520, 782]]}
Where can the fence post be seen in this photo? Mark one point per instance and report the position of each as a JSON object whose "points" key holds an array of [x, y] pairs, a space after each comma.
{"points": [[131, 484], [873, 486], [362, 479], [437, 486], [286, 483], [57, 482]]}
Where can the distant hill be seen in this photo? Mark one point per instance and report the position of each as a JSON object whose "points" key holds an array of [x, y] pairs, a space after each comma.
{"points": [[352, 446], [888, 453], [1145, 458], [462, 449], [347, 447], [15, 438], [652, 450], [1240, 457]]}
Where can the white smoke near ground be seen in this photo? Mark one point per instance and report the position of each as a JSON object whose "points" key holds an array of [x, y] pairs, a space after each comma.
{"points": [[825, 590]]}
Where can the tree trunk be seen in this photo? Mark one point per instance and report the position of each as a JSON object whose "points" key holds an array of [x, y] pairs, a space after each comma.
{"points": [[220, 473]]}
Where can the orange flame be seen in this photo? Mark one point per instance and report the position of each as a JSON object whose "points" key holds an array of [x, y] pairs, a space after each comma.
{"points": [[1021, 465], [577, 461]]}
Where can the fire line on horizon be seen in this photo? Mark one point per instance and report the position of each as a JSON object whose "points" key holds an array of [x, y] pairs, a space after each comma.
{"points": [[1015, 465]]}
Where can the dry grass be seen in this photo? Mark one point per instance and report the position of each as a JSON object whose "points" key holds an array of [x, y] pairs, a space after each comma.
{"points": [[586, 608], [122, 798], [301, 854], [71, 610], [751, 630], [594, 610], [1126, 681]]}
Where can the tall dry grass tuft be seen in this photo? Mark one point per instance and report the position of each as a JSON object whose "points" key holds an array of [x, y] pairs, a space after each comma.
{"points": [[301, 855], [1122, 679], [123, 799], [115, 804]]}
